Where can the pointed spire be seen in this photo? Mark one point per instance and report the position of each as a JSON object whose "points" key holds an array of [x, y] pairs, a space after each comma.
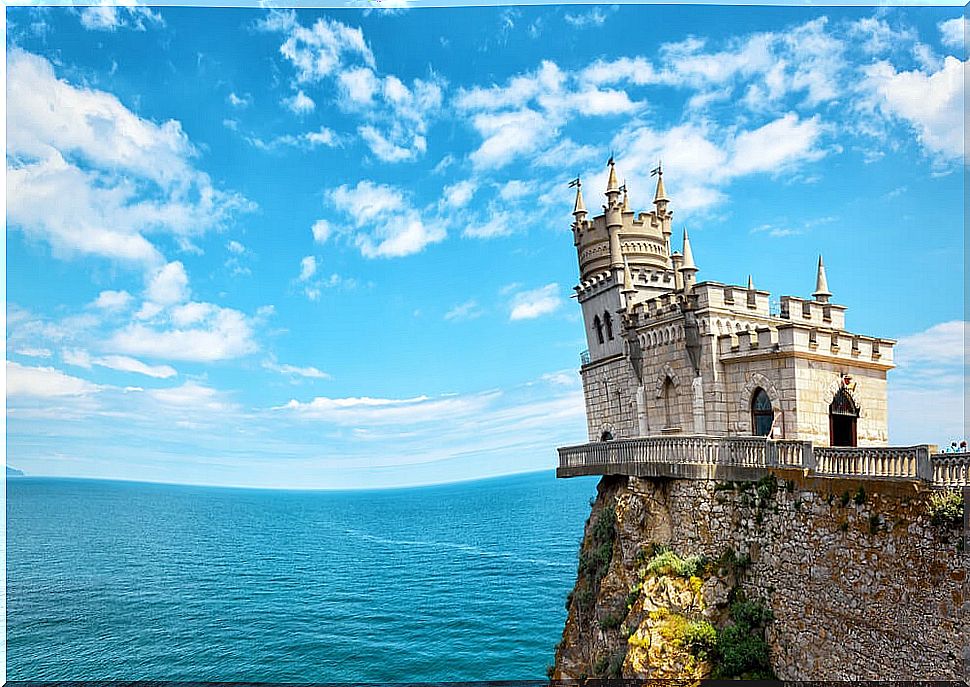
{"points": [[580, 207], [750, 283], [626, 198], [612, 185], [627, 278], [688, 254], [822, 293], [661, 195]]}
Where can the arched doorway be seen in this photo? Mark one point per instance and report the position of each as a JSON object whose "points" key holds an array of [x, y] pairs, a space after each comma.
{"points": [[669, 396], [843, 414], [762, 414]]}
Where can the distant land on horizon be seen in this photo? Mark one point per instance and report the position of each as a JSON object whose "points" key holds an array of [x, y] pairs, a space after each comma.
{"points": [[14, 472]]}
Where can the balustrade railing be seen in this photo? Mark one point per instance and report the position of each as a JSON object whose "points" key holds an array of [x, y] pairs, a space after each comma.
{"points": [[951, 469], [893, 462]]}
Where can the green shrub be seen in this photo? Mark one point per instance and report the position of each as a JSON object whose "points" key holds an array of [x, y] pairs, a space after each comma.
{"points": [[741, 647], [669, 563], [700, 638], [946, 509], [600, 665], [860, 496], [846, 497]]}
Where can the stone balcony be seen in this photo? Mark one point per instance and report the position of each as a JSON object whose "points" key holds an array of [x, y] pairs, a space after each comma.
{"points": [[742, 458]]}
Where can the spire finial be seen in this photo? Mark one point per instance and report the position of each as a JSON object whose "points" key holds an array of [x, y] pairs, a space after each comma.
{"points": [[661, 194], [579, 208], [750, 283], [688, 254], [626, 197], [822, 293], [612, 186]]}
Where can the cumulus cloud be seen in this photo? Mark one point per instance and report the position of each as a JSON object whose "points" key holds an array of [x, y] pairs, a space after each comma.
{"points": [[931, 102], [168, 285], [112, 300], [90, 177], [199, 332], [320, 50], [308, 267], [384, 222], [953, 33], [307, 372], [299, 103], [528, 305], [321, 230]]}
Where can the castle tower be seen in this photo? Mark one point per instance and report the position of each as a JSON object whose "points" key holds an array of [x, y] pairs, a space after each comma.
{"points": [[624, 258]]}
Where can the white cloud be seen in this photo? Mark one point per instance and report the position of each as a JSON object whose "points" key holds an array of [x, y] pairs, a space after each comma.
{"points": [[299, 103], [308, 140], [321, 230], [386, 223], [308, 267], [458, 194], [235, 247], [953, 33], [320, 50], [528, 305], [44, 382], [387, 149], [593, 17], [469, 310], [931, 102], [240, 101], [126, 364], [110, 15], [137, 176], [514, 190], [33, 352], [191, 396], [112, 300], [495, 224], [359, 85], [218, 334], [168, 285], [308, 372], [941, 344], [386, 411]]}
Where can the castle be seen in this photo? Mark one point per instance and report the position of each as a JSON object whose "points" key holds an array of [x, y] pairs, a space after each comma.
{"points": [[671, 355]]}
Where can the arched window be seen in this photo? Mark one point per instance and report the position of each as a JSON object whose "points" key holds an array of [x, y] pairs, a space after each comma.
{"points": [[843, 414], [599, 328], [607, 435], [762, 414], [609, 324], [669, 396]]}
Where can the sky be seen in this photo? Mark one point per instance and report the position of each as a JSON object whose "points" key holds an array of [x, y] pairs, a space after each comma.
{"points": [[331, 248]]}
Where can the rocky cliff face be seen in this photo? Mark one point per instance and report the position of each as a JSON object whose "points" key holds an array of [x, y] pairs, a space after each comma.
{"points": [[794, 577]]}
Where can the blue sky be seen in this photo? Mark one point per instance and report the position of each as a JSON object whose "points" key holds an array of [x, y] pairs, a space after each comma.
{"points": [[331, 248]]}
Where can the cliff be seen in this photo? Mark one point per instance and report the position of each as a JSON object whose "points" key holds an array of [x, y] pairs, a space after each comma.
{"points": [[803, 579]]}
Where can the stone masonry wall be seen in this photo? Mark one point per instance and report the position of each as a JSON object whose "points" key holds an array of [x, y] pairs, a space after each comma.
{"points": [[861, 583]]}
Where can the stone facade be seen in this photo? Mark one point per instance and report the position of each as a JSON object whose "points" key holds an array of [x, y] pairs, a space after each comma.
{"points": [[862, 584], [670, 355]]}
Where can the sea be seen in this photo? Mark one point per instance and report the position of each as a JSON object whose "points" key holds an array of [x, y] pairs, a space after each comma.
{"points": [[110, 580]]}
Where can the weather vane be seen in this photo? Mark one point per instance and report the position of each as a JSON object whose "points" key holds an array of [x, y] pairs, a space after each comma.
{"points": [[659, 169], [576, 183]]}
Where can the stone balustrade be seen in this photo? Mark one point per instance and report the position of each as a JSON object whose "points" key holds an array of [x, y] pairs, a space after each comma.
{"points": [[707, 457], [951, 469]]}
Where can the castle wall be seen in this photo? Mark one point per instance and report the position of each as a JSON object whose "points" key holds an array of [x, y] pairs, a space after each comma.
{"points": [[817, 384], [862, 585], [776, 376], [610, 390]]}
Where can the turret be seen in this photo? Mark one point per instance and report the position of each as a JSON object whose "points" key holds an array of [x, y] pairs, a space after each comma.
{"points": [[688, 269], [579, 211], [614, 216], [822, 293], [661, 201]]}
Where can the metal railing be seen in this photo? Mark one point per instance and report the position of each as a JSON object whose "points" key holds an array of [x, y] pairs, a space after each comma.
{"points": [[890, 462]]}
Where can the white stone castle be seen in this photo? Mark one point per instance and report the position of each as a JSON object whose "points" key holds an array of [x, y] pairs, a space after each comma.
{"points": [[671, 355]]}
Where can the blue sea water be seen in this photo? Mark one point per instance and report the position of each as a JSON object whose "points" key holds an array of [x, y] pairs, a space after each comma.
{"points": [[126, 581]]}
